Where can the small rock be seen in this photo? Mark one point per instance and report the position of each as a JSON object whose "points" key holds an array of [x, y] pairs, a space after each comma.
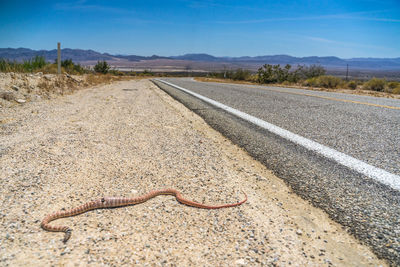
{"points": [[9, 96], [35, 97], [39, 73], [21, 101], [66, 251], [299, 232], [15, 88], [241, 262]]}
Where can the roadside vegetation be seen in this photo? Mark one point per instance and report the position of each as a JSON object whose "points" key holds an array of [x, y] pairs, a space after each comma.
{"points": [[35, 79], [39, 64], [313, 76]]}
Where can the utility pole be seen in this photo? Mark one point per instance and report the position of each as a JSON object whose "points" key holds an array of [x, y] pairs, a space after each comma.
{"points": [[59, 58], [347, 73]]}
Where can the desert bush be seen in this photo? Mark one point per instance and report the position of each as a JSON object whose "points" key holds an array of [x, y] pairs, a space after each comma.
{"points": [[131, 73], [147, 73], [325, 81], [277, 74], [102, 67], [29, 65], [286, 83], [311, 82], [352, 85], [328, 81], [10, 66], [116, 72], [391, 86], [375, 85], [273, 73], [49, 68], [67, 64], [34, 64], [308, 72], [396, 90], [238, 75]]}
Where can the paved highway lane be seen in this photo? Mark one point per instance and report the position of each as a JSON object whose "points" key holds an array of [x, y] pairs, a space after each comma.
{"points": [[364, 131], [366, 128]]}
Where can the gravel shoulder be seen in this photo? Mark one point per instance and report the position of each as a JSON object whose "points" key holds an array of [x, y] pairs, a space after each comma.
{"points": [[125, 139]]}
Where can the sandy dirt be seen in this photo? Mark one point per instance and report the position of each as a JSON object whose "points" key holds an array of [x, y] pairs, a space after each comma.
{"points": [[20, 88], [126, 139]]}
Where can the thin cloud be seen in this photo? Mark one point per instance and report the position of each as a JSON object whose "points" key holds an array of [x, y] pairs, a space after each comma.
{"points": [[347, 44], [346, 16], [81, 6]]}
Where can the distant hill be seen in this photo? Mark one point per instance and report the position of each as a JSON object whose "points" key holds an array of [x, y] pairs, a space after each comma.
{"points": [[329, 62], [79, 55], [198, 57]]}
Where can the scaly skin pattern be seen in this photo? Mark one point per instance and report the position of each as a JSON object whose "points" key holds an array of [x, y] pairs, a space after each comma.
{"points": [[112, 202]]}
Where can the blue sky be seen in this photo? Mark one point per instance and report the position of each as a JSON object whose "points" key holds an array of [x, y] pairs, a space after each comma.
{"points": [[343, 28]]}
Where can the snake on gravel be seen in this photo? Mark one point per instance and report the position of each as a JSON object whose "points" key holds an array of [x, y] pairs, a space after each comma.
{"points": [[113, 202]]}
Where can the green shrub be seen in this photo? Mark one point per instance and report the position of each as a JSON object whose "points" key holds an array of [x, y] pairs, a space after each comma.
{"points": [[325, 81], [73, 68], [396, 90], [276, 74], [29, 65], [67, 64], [102, 67], [10, 66], [312, 82], [352, 85], [36, 63], [240, 75], [116, 72], [237, 75], [307, 72], [147, 73], [390, 86], [393, 85], [375, 85], [50, 68]]}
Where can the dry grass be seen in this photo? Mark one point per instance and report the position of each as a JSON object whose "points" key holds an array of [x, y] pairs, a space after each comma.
{"points": [[66, 84]]}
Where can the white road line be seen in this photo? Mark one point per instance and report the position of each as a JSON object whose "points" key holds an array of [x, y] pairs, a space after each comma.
{"points": [[378, 174]]}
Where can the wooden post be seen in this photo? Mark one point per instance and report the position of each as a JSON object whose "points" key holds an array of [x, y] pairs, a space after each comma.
{"points": [[59, 58]]}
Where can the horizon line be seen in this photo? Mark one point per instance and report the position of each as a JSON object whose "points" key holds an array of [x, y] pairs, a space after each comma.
{"points": [[199, 53]]}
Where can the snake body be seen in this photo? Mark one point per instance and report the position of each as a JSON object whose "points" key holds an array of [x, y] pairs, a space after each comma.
{"points": [[113, 202]]}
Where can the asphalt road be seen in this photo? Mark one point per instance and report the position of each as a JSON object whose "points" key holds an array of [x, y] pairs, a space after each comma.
{"points": [[365, 128]]}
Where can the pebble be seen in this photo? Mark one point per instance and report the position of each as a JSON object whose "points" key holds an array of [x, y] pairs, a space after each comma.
{"points": [[241, 262], [9, 96]]}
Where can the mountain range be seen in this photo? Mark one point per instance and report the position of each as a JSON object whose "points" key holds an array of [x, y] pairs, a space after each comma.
{"points": [[84, 56]]}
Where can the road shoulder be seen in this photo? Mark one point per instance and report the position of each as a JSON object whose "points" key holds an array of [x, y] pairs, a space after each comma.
{"points": [[126, 139]]}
